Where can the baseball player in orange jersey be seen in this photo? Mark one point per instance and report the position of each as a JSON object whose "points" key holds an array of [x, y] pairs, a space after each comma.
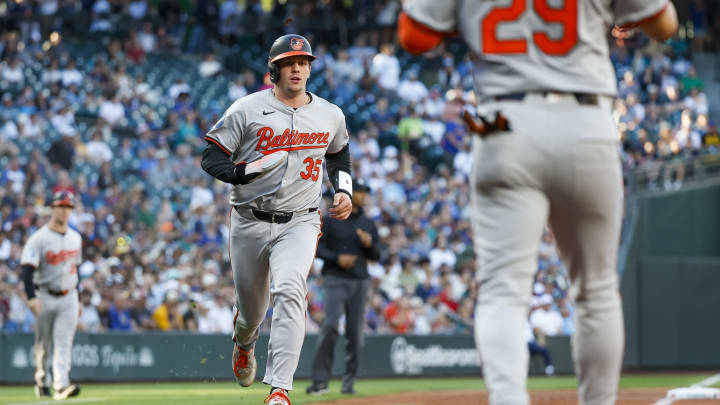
{"points": [[547, 151], [49, 261], [270, 146]]}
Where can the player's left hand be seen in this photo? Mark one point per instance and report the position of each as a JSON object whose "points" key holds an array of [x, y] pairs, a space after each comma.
{"points": [[342, 205]]}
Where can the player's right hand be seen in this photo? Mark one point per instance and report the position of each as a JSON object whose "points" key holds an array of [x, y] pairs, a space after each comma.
{"points": [[346, 261], [35, 306], [246, 173]]}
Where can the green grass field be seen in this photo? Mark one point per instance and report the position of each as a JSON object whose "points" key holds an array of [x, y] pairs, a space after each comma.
{"points": [[221, 393]]}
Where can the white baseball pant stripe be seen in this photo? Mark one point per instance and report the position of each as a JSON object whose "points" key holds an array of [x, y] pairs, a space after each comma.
{"points": [[261, 252], [54, 332], [560, 164]]}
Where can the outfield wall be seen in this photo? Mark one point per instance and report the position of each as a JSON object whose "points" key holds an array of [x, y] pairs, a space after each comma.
{"points": [[671, 279], [187, 356]]}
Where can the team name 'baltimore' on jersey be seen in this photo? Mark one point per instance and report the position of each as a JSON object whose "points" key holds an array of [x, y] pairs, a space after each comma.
{"points": [[523, 45], [55, 257], [259, 124]]}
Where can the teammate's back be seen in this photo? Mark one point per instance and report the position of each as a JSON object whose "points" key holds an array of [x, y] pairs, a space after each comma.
{"points": [[549, 156], [522, 45]]}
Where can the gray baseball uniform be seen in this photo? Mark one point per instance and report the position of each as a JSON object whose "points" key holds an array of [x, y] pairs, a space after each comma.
{"points": [[559, 162], [260, 251], [55, 258]]}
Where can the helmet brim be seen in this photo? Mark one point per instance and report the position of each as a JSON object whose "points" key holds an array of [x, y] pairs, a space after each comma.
{"points": [[292, 53], [63, 203]]}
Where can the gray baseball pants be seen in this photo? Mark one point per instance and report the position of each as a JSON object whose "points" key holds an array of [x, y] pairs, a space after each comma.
{"points": [[273, 260], [54, 331], [559, 164]]}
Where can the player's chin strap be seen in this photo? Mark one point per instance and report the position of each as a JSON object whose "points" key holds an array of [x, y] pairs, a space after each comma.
{"points": [[338, 165]]}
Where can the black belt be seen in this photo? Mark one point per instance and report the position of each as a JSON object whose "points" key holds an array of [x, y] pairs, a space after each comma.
{"points": [[582, 98], [274, 217], [60, 293]]}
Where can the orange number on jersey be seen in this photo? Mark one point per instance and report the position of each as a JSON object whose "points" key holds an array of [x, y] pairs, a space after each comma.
{"points": [[312, 170], [565, 15], [490, 42]]}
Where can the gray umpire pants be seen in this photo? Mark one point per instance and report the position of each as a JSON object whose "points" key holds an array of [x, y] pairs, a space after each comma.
{"points": [[54, 331], [342, 296]]}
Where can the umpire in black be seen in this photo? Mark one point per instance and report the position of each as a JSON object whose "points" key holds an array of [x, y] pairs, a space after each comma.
{"points": [[345, 247]]}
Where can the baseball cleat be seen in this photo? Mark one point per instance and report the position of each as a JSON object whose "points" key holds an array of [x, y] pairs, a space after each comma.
{"points": [[278, 397], [266, 163], [244, 366], [71, 390], [317, 389], [41, 392]]}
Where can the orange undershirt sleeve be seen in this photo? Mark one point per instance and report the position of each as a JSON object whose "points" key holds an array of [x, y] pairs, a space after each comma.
{"points": [[415, 37]]}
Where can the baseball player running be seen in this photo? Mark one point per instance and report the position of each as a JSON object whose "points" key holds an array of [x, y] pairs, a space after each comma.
{"points": [[547, 150], [49, 262], [270, 146]]}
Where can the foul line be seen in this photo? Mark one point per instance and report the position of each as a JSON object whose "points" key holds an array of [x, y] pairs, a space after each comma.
{"points": [[708, 381], [65, 401], [704, 383]]}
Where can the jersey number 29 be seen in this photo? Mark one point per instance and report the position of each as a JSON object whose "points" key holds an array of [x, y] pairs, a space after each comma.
{"points": [[565, 15]]}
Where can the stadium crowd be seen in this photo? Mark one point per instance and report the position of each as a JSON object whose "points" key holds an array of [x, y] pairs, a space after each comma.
{"points": [[96, 118]]}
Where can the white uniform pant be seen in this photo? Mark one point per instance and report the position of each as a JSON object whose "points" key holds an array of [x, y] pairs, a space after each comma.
{"points": [[54, 331], [560, 164], [261, 251]]}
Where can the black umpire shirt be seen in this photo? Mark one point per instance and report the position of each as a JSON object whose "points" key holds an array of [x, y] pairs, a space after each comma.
{"points": [[339, 237]]}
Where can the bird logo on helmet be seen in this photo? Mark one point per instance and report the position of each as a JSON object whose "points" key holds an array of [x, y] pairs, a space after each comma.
{"points": [[296, 43], [284, 47], [63, 199]]}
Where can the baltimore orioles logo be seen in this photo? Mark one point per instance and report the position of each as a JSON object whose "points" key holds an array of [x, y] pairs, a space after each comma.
{"points": [[296, 43]]}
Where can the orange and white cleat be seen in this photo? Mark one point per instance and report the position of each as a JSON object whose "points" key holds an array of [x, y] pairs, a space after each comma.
{"points": [[244, 365], [278, 396]]}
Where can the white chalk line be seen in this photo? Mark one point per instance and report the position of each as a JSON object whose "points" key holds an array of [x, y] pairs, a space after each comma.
{"points": [[704, 383]]}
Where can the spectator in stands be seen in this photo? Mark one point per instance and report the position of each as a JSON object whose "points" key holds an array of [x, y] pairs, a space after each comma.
{"points": [[209, 66], [119, 313], [167, 316], [399, 315], [89, 317], [97, 151], [146, 38], [237, 89], [411, 89], [544, 320], [112, 110], [71, 75], [62, 151], [536, 348], [178, 88], [386, 68], [12, 72]]}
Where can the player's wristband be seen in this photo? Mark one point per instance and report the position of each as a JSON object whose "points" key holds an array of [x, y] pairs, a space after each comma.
{"points": [[344, 183]]}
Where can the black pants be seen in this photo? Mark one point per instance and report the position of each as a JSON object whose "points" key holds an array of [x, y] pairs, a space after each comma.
{"points": [[342, 296], [541, 350]]}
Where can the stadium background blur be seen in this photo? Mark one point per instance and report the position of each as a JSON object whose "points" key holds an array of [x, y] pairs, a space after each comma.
{"points": [[110, 100]]}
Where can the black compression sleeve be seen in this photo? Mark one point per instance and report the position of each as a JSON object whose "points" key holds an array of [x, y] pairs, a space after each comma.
{"points": [[337, 162], [216, 163], [28, 280]]}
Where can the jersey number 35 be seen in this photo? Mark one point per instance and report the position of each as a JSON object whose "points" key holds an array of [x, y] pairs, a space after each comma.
{"points": [[312, 169]]}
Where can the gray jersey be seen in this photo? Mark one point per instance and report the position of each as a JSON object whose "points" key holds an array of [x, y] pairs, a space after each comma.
{"points": [[259, 124], [530, 45], [55, 257]]}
